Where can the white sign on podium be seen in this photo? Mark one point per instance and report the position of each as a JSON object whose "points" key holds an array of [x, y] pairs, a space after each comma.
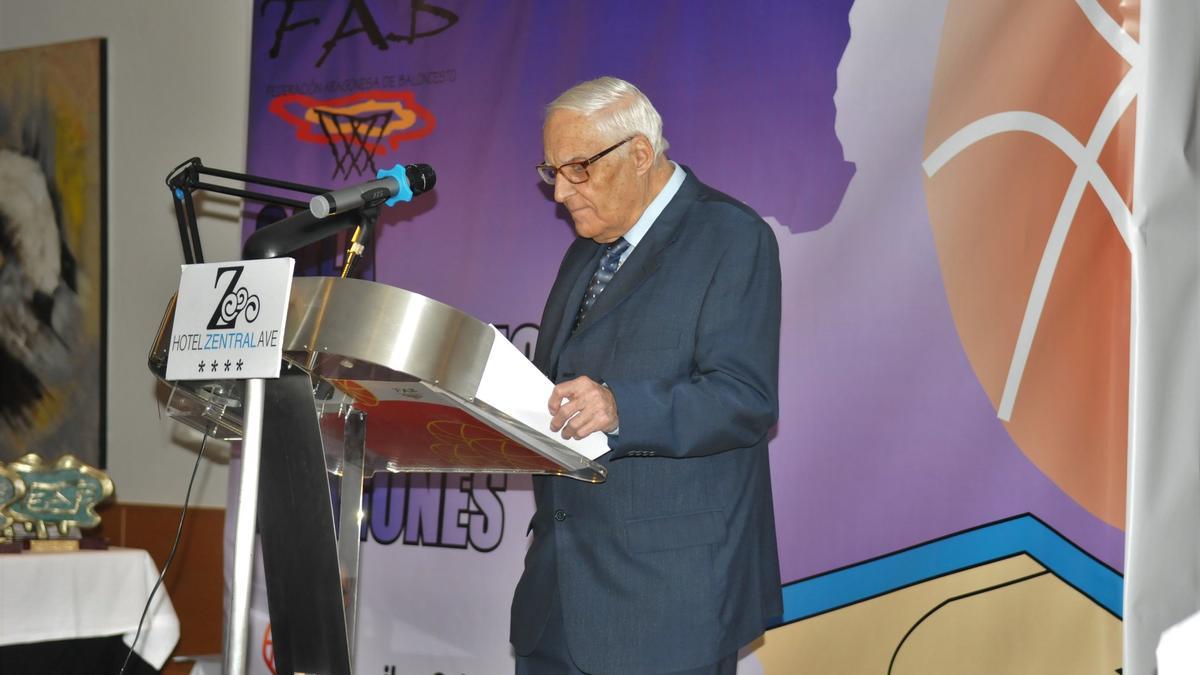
{"points": [[229, 320]]}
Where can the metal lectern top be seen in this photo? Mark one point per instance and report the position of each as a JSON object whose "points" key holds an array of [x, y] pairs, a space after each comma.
{"points": [[411, 364]]}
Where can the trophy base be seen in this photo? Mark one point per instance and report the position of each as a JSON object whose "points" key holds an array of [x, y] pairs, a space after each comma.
{"points": [[53, 545]]}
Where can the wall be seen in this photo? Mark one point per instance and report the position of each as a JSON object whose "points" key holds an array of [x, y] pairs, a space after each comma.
{"points": [[193, 582], [178, 78]]}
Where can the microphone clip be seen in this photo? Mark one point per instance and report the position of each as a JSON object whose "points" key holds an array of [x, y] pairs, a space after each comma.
{"points": [[398, 173]]}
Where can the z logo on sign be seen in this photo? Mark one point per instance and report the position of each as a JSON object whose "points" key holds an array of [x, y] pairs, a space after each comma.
{"points": [[236, 301]]}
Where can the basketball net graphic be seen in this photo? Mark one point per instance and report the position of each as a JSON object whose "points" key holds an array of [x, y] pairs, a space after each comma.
{"points": [[353, 148]]}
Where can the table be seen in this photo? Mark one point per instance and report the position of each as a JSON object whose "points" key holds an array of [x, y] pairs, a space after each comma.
{"points": [[46, 597]]}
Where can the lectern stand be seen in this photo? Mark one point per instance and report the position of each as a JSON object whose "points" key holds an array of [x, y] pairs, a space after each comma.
{"points": [[375, 378]]}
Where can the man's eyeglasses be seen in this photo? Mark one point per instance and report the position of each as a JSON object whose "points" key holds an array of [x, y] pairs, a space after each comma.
{"points": [[575, 172]]}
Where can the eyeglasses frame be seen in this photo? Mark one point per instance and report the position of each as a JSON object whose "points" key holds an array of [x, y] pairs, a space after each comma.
{"points": [[582, 163]]}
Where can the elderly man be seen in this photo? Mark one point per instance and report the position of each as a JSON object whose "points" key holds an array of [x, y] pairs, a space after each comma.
{"points": [[662, 331]]}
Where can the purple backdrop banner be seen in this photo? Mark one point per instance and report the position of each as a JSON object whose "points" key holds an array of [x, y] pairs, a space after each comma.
{"points": [[891, 468]]}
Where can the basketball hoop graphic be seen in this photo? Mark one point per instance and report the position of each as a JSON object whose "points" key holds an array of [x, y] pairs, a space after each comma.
{"points": [[356, 128]]}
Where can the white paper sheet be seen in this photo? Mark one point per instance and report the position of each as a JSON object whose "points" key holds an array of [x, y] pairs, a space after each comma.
{"points": [[512, 384]]}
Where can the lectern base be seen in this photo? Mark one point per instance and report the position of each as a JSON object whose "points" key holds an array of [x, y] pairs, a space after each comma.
{"points": [[296, 526]]}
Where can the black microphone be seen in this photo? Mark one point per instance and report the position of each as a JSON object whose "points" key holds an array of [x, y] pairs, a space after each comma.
{"points": [[398, 184]]}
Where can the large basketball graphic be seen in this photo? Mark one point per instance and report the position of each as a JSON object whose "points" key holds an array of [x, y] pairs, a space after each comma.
{"points": [[1029, 165]]}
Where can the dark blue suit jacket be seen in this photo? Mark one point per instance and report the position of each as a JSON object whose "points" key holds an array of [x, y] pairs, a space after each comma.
{"points": [[672, 562]]}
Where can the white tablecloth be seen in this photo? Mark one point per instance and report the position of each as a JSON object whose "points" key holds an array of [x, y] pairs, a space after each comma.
{"points": [[61, 596]]}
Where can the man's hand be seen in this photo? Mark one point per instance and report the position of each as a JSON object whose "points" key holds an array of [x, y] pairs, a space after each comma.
{"points": [[582, 406]]}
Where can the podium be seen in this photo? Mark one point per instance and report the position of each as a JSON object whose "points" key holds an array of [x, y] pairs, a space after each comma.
{"points": [[375, 378]]}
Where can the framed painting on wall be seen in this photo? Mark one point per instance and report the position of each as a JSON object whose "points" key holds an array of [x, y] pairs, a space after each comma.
{"points": [[53, 217]]}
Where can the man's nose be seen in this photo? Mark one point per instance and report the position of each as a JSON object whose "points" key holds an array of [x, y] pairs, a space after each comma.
{"points": [[563, 188]]}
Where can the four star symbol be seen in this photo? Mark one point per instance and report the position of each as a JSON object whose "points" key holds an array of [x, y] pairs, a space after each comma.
{"points": [[213, 365]]}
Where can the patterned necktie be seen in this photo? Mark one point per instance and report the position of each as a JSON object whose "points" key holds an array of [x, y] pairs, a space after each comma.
{"points": [[604, 274]]}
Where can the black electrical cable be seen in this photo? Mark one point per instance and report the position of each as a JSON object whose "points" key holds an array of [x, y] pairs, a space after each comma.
{"points": [[171, 556]]}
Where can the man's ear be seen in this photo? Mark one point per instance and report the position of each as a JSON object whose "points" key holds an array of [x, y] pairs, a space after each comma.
{"points": [[643, 154]]}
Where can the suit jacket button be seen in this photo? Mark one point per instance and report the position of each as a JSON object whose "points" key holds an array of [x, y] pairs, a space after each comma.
{"points": [[560, 515]]}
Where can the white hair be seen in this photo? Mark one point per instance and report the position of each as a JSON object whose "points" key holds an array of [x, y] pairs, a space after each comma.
{"points": [[619, 109]]}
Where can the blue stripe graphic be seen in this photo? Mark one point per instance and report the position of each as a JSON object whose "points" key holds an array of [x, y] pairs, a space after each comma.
{"points": [[1025, 534]]}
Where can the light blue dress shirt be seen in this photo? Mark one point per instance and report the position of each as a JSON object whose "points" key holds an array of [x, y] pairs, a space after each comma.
{"points": [[652, 212]]}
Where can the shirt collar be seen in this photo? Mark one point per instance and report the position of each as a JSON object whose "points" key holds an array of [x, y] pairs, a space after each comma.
{"points": [[655, 209]]}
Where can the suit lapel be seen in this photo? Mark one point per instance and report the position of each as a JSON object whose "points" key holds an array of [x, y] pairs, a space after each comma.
{"points": [[581, 261], [647, 257]]}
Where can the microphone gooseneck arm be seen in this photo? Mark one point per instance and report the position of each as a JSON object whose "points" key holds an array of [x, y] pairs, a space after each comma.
{"points": [[295, 232], [188, 177], [305, 227]]}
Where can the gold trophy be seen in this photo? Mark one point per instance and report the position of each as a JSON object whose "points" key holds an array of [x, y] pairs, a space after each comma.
{"points": [[12, 489], [59, 499]]}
